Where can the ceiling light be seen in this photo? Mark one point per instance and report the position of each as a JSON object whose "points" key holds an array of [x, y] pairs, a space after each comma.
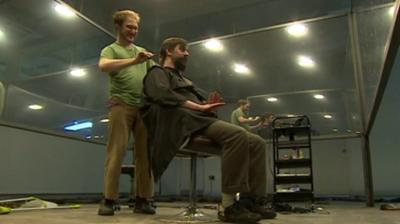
{"points": [[272, 99], [64, 10], [391, 11], [77, 72], [319, 96], [305, 61], [104, 120], [35, 107], [297, 30], [290, 115], [241, 69], [335, 130], [327, 116], [213, 45], [1, 33]]}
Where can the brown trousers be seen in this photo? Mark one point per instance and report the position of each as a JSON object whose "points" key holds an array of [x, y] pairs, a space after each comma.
{"points": [[124, 119], [243, 165]]}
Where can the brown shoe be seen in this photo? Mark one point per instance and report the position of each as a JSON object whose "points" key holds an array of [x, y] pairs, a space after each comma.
{"points": [[107, 207], [236, 213], [266, 213], [144, 206], [254, 205]]}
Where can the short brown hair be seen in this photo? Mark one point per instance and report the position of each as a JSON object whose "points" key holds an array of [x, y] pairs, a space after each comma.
{"points": [[268, 115], [120, 16], [169, 44], [243, 102]]}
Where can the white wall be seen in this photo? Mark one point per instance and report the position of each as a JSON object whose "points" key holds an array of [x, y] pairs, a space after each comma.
{"points": [[37, 163], [385, 140], [337, 171]]}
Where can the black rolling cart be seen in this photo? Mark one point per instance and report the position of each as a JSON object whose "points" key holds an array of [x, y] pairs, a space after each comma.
{"points": [[293, 173]]}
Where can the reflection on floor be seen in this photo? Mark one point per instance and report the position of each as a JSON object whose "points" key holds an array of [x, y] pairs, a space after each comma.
{"points": [[333, 212]]}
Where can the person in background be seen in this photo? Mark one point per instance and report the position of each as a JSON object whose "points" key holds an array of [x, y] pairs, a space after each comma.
{"points": [[265, 129], [240, 117], [126, 65]]}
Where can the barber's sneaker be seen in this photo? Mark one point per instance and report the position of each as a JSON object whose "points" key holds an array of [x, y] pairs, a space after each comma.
{"points": [[236, 213], [107, 207], [144, 206], [255, 206]]}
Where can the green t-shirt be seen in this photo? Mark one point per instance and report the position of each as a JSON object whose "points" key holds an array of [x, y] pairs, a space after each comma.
{"points": [[235, 118], [127, 83]]}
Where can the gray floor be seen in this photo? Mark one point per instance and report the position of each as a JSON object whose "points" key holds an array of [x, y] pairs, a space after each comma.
{"points": [[334, 213]]}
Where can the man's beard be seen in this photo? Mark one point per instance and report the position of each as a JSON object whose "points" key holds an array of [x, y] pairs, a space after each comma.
{"points": [[180, 63]]}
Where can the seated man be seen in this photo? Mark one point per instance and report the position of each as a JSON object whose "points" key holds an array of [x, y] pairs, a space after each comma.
{"points": [[239, 117], [174, 110]]}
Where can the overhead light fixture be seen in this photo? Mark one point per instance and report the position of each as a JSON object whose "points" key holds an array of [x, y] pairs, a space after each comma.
{"points": [[35, 107], [64, 11], [391, 11], [335, 130], [319, 96], [241, 69], [272, 99], [76, 126], [305, 61], [290, 115], [213, 45], [104, 120], [328, 116], [77, 72], [297, 30]]}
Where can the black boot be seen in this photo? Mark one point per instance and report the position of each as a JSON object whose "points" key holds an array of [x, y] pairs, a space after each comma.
{"points": [[258, 207], [144, 206], [107, 207], [237, 213]]}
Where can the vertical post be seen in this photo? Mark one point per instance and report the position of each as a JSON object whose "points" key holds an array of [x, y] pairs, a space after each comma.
{"points": [[360, 91], [2, 99], [192, 196]]}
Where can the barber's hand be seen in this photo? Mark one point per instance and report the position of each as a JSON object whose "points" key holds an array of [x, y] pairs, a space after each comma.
{"points": [[142, 57], [254, 118]]}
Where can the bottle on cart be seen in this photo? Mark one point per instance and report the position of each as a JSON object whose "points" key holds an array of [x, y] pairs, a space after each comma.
{"points": [[297, 153]]}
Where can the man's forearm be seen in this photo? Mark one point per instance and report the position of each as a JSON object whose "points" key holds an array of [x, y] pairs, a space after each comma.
{"points": [[245, 120], [112, 65]]}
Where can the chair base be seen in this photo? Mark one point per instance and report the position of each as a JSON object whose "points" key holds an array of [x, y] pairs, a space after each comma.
{"points": [[190, 215]]}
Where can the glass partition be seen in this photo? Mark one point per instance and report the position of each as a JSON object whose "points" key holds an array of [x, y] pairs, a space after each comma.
{"points": [[48, 62], [197, 20], [48, 68], [373, 26], [301, 68]]}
